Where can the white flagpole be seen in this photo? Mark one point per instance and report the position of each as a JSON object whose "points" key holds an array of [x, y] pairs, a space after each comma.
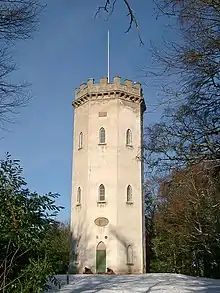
{"points": [[108, 58]]}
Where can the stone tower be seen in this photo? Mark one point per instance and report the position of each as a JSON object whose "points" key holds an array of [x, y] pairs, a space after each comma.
{"points": [[107, 209]]}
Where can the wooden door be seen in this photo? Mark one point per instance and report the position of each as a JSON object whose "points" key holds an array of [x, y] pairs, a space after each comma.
{"points": [[101, 258]]}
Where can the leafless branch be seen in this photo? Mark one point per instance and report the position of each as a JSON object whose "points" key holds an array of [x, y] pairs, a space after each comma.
{"points": [[109, 6], [18, 20]]}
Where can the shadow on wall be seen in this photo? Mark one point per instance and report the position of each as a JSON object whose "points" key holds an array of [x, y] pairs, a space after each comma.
{"points": [[80, 251], [128, 250], [83, 253]]}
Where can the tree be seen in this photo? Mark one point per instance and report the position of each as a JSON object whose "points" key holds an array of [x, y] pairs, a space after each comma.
{"points": [[187, 223], [26, 219], [57, 245], [190, 127], [18, 20], [150, 201]]}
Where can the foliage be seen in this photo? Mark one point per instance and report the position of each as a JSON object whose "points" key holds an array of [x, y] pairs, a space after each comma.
{"points": [[150, 192], [187, 223], [184, 146], [26, 217], [57, 245]]}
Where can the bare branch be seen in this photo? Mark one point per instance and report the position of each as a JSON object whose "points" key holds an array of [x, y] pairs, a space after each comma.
{"points": [[109, 6], [18, 20]]}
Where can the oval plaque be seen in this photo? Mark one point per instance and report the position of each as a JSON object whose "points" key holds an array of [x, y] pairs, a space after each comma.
{"points": [[101, 221]]}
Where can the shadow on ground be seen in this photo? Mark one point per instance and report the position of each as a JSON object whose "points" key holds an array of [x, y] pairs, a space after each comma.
{"points": [[150, 283]]}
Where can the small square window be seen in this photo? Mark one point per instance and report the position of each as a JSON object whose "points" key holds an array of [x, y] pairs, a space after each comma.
{"points": [[102, 114]]}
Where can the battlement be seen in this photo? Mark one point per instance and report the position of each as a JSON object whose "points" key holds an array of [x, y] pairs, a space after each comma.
{"points": [[103, 89]]}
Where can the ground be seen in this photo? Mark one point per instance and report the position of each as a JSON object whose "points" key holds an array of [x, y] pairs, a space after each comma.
{"points": [[149, 283]]}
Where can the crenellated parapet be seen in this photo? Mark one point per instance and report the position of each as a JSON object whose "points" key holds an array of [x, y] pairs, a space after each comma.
{"points": [[103, 90]]}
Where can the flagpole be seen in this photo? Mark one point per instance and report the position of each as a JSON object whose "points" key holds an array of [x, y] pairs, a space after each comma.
{"points": [[108, 58]]}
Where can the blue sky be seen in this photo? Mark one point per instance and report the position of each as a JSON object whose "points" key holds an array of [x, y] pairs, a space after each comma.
{"points": [[70, 46]]}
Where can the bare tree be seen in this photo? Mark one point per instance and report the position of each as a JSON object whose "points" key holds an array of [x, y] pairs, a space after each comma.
{"points": [[189, 130], [18, 20]]}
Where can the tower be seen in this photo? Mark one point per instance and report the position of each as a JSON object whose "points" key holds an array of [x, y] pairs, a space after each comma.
{"points": [[107, 208]]}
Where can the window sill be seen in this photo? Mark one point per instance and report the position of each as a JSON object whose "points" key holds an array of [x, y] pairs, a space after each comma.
{"points": [[101, 203], [130, 264], [104, 143], [129, 146], [129, 202], [78, 204], [79, 149]]}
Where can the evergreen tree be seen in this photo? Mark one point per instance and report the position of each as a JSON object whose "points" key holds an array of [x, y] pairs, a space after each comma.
{"points": [[25, 220]]}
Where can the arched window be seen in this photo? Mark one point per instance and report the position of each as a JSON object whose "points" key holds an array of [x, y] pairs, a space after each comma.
{"points": [[101, 192], [129, 193], [102, 135], [78, 198], [129, 137], [129, 255], [80, 140]]}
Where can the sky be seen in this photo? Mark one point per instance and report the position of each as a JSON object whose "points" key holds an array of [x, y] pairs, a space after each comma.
{"points": [[70, 46]]}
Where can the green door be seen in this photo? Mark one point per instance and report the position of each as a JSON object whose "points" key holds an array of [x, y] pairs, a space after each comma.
{"points": [[101, 258]]}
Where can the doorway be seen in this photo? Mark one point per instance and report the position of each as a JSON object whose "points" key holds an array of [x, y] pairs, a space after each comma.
{"points": [[101, 258]]}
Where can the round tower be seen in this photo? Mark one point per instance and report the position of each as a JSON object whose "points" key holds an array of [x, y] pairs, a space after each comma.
{"points": [[107, 208]]}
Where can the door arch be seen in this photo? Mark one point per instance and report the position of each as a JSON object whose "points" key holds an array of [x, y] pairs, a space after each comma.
{"points": [[101, 258]]}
